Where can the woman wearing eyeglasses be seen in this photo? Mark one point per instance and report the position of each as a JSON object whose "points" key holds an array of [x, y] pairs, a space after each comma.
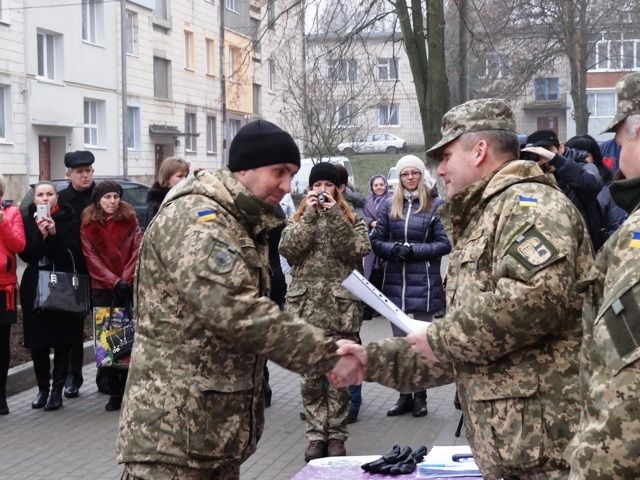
{"points": [[411, 239]]}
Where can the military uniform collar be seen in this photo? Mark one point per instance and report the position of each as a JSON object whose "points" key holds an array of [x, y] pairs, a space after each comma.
{"points": [[626, 193]]}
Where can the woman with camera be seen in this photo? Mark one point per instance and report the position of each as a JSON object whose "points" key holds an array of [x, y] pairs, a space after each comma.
{"points": [[411, 240], [324, 242], [11, 242], [111, 239], [49, 228]]}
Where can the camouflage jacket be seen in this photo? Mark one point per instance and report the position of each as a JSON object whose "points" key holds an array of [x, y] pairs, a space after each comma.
{"points": [[512, 334], [608, 438], [324, 248], [204, 326]]}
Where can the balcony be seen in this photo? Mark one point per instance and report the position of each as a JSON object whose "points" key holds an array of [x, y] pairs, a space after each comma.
{"points": [[560, 104]]}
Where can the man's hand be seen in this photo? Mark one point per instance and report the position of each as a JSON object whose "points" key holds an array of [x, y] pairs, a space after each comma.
{"points": [[542, 152], [420, 344], [351, 368]]}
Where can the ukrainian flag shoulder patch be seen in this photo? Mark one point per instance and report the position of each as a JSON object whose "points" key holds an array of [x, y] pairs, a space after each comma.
{"points": [[526, 201], [635, 240], [208, 215]]}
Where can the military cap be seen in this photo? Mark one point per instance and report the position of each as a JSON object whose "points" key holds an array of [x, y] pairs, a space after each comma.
{"points": [[474, 116], [78, 158], [628, 90]]}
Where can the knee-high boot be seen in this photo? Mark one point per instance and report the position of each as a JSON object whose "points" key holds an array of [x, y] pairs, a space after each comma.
{"points": [[41, 369], [60, 368], [5, 357]]}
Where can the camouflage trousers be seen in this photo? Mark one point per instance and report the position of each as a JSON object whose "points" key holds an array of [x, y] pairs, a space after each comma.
{"points": [[548, 475], [326, 408], [163, 471]]}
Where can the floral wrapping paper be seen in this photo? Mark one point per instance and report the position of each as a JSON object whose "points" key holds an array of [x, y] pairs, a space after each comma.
{"points": [[101, 330]]}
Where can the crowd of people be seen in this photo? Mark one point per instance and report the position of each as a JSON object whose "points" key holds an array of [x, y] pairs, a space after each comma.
{"points": [[537, 334]]}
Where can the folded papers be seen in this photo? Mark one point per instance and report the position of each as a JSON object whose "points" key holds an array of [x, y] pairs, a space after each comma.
{"points": [[448, 462]]}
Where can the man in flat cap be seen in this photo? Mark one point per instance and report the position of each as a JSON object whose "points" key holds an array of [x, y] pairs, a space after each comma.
{"points": [[194, 402], [511, 336], [78, 196], [608, 439]]}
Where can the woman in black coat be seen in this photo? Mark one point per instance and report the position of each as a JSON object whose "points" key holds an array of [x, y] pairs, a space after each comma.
{"points": [[50, 240], [172, 170]]}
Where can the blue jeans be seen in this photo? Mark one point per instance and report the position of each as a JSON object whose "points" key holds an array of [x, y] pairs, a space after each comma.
{"points": [[356, 397]]}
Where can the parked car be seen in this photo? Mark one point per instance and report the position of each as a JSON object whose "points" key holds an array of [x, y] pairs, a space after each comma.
{"points": [[372, 143], [300, 182], [392, 179], [132, 192]]}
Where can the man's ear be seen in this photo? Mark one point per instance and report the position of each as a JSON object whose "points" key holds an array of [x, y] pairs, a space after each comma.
{"points": [[480, 149], [66, 174]]}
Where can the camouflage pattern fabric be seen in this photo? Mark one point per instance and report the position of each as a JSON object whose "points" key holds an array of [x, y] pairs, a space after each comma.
{"points": [[512, 334], [608, 439], [474, 116], [628, 92], [323, 249], [158, 471], [205, 326]]}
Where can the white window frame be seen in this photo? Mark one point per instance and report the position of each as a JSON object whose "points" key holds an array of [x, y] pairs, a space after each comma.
{"points": [[210, 51], [495, 66], [93, 122], [161, 10], [190, 127], [212, 133], [546, 79], [389, 66], [592, 103], [271, 65], [189, 50], [343, 115], [1, 12], [46, 54], [611, 62], [386, 114], [131, 34], [231, 5], [342, 70], [92, 21], [5, 105], [167, 66], [134, 129]]}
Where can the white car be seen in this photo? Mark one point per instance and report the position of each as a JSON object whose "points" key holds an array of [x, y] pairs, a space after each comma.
{"points": [[300, 181], [372, 143]]}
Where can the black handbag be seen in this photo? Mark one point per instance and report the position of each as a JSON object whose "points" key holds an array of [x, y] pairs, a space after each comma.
{"points": [[68, 292]]}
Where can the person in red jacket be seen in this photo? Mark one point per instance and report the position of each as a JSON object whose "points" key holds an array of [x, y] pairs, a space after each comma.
{"points": [[111, 238], [12, 242]]}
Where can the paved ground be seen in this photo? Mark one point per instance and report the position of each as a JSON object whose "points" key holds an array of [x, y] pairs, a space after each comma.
{"points": [[77, 442]]}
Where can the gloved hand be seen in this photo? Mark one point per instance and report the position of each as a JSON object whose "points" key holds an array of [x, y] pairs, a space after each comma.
{"points": [[123, 291], [401, 251]]}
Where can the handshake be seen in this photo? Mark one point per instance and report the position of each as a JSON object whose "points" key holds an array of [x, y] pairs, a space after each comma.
{"points": [[401, 251]]}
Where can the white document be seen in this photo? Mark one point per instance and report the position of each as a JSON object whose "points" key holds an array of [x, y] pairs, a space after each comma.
{"points": [[365, 291], [448, 462]]}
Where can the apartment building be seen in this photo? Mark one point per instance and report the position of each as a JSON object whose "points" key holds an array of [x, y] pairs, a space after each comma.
{"points": [[193, 77]]}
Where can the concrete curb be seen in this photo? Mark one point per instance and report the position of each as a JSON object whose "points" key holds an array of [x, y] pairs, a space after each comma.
{"points": [[22, 377]]}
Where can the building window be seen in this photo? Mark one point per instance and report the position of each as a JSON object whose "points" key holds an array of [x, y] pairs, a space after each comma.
{"points": [[547, 89], [235, 62], [133, 128], [92, 16], [161, 70], [234, 126], [601, 104], [494, 66], [4, 101], [211, 135], [211, 56], [272, 74], [161, 11], [614, 52], [343, 70], [189, 50], [343, 115], [257, 98], [389, 115], [231, 5], [131, 33], [93, 122], [47, 54], [255, 35], [190, 139], [388, 68], [1, 10]]}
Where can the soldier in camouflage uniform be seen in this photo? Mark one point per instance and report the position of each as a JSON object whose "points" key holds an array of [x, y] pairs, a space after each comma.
{"points": [[324, 242], [511, 337], [607, 444], [194, 405]]}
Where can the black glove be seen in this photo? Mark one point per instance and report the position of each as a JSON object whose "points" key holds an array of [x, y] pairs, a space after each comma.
{"points": [[123, 291], [401, 251]]}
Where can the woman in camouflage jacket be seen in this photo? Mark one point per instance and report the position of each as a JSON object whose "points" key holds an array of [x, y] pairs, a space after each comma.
{"points": [[324, 242]]}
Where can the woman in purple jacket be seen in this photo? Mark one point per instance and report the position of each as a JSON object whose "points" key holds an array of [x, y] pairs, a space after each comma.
{"points": [[410, 238]]}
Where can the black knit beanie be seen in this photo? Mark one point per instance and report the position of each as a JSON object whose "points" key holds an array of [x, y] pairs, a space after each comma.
{"points": [[262, 143], [324, 171], [101, 189]]}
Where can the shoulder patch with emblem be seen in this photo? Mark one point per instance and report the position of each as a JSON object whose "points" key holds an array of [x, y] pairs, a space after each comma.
{"points": [[527, 201], [221, 259], [532, 249], [207, 215]]}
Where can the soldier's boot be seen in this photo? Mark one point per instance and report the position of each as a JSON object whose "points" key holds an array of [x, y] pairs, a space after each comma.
{"points": [[315, 449], [402, 406], [336, 448], [420, 404]]}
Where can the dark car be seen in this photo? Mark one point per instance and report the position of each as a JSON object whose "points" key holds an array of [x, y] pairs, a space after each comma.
{"points": [[132, 192]]}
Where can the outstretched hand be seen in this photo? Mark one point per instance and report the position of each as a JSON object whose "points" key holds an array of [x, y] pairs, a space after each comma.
{"points": [[352, 366], [420, 344]]}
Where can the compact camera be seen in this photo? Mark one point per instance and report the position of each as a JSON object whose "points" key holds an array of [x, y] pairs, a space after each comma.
{"points": [[322, 198]]}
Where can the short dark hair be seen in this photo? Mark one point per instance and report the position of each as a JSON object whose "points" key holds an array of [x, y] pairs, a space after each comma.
{"points": [[501, 141]]}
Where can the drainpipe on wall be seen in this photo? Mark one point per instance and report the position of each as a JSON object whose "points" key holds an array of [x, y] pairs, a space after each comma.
{"points": [[223, 88], [123, 62]]}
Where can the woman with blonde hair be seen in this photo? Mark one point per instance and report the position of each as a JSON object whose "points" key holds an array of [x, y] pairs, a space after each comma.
{"points": [[324, 242], [411, 240], [172, 170]]}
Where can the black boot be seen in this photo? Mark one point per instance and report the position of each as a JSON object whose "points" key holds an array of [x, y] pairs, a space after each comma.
{"points": [[402, 406], [55, 400], [4, 408], [114, 403], [267, 389], [41, 397], [420, 404], [60, 368]]}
